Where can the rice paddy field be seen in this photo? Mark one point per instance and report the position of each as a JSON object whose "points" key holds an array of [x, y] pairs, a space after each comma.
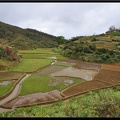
{"points": [[5, 89], [55, 78], [7, 81], [31, 65], [13, 71]]}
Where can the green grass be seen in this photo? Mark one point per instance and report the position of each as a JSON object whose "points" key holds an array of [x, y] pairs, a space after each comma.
{"points": [[43, 56], [31, 65], [36, 84], [4, 89], [37, 56], [60, 57], [6, 79], [101, 103], [38, 50], [40, 53]]}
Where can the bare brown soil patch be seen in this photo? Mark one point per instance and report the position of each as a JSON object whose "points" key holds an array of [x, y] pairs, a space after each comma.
{"points": [[113, 67], [10, 75], [84, 87], [85, 65], [108, 76], [33, 99], [3, 67], [70, 61]]}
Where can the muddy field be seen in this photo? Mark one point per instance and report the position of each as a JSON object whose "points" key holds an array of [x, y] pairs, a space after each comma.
{"points": [[7, 82], [33, 99], [97, 76], [58, 80], [84, 65], [49, 70], [84, 87], [113, 67], [108, 76], [103, 79], [74, 72], [10, 75], [87, 65]]}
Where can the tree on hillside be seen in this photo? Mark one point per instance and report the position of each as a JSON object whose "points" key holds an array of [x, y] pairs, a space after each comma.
{"points": [[60, 39], [111, 29]]}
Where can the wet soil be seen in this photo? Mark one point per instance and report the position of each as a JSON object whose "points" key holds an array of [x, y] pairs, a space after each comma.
{"points": [[84, 65], [74, 72], [33, 98], [7, 82]]}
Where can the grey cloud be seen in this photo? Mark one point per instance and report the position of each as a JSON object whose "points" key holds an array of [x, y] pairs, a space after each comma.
{"points": [[67, 19]]}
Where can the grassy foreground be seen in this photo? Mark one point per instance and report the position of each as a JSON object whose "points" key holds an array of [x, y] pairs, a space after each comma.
{"points": [[101, 103]]}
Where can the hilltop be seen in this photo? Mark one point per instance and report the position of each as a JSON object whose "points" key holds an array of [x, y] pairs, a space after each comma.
{"points": [[25, 38]]}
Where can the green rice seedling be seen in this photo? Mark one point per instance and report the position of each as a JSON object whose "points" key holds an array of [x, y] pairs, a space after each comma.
{"points": [[31, 65], [4, 89]]}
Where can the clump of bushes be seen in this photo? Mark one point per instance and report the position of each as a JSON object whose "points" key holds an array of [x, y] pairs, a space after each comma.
{"points": [[7, 52], [89, 52]]}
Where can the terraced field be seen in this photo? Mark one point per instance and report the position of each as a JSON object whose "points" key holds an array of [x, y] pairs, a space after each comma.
{"points": [[83, 88], [7, 81], [62, 79], [113, 67], [108, 76]]}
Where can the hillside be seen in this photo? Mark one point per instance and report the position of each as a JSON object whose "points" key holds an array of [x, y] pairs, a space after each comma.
{"points": [[103, 48], [25, 38]]}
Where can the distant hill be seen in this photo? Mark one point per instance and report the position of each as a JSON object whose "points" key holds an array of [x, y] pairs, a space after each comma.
{"points": [[25, 38], [103, 48]]}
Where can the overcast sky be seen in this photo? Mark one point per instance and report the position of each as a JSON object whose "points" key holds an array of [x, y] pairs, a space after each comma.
{"points": [[62, 19]]}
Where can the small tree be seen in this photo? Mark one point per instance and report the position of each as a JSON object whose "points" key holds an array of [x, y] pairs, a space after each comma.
{"points": [[60, 39], [111, 29]]}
